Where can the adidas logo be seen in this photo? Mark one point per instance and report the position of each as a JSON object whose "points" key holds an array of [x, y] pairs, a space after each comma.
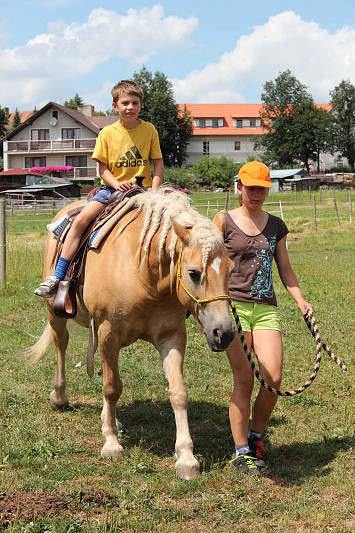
{"points": [[132, 158]]}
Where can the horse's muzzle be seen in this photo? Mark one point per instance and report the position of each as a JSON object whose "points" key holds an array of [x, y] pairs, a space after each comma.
{"points": [[219, 338]]}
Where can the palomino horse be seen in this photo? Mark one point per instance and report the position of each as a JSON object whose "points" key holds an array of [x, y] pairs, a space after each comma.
{"points": [[160, 260]]}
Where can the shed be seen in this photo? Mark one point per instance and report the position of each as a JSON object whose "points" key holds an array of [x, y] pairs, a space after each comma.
{"points": [[278, 178], [17, 177], [46, 187]]}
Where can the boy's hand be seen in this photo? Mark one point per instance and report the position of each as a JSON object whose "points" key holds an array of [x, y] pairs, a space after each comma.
{"points": [[123, 185]]}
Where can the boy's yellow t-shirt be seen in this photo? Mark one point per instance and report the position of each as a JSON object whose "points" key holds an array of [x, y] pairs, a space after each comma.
{"points": [[127, 153]]}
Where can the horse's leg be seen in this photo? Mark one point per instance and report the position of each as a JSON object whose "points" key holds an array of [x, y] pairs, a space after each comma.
{"points": [[172, 352], [112, 389], [58, 397]]}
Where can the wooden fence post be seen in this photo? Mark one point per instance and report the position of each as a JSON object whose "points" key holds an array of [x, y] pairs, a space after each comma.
{"points": [[336, 211], [226, 203], [314, 213], [282, 216], [350, 208], [2, 241], [208, 208]]}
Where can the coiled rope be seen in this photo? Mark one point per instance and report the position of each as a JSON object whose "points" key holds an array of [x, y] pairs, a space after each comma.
{"points": [[313, 328]]}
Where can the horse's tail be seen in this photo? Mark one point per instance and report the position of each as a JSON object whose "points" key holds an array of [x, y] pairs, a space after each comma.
{"points": [[35, 352]]}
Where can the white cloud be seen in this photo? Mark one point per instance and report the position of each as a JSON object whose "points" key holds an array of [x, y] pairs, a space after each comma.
{"points": [[69, 52], [319, 59]]}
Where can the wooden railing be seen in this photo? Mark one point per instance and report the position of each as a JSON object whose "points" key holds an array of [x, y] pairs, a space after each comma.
{"points": [[51, 146]]}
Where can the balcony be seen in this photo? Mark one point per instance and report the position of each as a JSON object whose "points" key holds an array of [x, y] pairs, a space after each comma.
{"points": [[77, 174], [67, 145], [81, 173]]}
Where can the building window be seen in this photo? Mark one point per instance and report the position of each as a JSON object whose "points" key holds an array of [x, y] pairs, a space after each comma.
{"points": [[39, 135], [252, 123], [206, 148], [215, 123], [202, 123], [239, 123], [236, 145], [35, 162], [55, 114], [76, 161], [70, 133]]}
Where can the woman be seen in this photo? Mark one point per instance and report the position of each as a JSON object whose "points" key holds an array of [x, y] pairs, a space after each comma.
{"points": [[254, 238]]}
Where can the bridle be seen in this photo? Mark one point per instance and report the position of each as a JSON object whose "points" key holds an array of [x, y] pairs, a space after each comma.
{"points": [[198, 302]]}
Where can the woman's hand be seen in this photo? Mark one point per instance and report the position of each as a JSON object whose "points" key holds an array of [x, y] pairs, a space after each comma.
{"points": [[304, 306]]}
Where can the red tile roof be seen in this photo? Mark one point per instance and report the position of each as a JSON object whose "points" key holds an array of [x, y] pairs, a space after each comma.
{"points": [[24, 115], [228, 112], [19, 172]]}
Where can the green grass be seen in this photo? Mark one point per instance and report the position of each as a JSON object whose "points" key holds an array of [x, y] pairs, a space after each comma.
{"points": [[53, 457]]}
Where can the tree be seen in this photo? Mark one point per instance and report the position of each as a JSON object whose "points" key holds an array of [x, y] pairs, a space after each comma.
{"points": [[3, 122], [280, 99], [311, 126], [16, 121], [159, 108], [216, 171], [75, 102], [343, 120]]}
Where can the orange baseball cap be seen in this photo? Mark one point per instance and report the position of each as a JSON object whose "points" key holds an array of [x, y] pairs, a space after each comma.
{"points": [[255, 174]]}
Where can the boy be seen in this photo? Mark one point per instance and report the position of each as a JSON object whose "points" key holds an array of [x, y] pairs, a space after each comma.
{"points": [[123, 151]]}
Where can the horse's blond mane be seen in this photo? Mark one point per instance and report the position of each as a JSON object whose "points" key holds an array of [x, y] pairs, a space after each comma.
{"points": [[159, 208]]}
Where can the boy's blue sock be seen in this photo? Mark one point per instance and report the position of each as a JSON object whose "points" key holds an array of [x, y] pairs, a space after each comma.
{"points": [[62, 267], [242, 450]]}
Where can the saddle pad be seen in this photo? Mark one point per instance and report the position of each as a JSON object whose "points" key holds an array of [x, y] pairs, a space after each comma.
{"points": [[99, 231]]}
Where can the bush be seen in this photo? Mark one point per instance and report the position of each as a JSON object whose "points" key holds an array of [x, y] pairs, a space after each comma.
{"points": [[180, 176]]}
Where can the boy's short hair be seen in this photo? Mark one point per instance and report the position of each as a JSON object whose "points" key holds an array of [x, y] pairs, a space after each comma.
{"points": [[126, 87]]}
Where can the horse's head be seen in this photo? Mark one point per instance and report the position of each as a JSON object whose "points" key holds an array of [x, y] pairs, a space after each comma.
{"points": [[202, 281]]}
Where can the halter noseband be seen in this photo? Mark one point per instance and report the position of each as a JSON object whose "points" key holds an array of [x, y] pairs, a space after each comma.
{"points": [[198, 302]]}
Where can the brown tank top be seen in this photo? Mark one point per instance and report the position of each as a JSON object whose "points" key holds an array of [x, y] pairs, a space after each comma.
{"points": [[251, 279]]}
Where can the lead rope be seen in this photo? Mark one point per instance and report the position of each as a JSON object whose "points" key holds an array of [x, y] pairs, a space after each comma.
{"points": [[313, 328]]}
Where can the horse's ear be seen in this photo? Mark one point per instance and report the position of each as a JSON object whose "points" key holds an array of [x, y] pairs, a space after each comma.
{"points": [[181, 232]]}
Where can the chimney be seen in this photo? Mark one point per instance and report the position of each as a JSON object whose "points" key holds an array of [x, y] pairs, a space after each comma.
{"points": [[87, 110]]}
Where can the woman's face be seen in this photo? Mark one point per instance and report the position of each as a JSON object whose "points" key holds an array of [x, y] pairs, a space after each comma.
{"points": [[253, 197]]}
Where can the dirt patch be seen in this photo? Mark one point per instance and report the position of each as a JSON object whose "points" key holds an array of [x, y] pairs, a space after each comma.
{"points": [[15, 506]]}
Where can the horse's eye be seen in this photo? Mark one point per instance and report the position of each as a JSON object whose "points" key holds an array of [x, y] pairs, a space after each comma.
{"points": [[195, 275]]}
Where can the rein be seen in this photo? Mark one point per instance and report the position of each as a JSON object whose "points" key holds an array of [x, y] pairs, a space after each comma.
{"points": [[198, 302], [313, 328]]}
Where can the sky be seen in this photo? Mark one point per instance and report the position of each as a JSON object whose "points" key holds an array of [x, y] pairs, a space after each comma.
{"points": [[212, 52]]}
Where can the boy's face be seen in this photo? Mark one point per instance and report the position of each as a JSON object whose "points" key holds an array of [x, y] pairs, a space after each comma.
{"points": [[128, 107]]}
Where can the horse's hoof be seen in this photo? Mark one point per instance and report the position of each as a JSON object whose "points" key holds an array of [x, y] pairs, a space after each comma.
{"points": [[108, 452], [187, 472], [58, 406], [61, 407]]}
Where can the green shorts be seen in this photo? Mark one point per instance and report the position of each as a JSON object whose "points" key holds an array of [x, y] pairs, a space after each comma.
{"points": [[257, 316]]}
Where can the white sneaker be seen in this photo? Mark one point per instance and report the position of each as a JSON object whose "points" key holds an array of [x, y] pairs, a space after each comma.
{"points": [[48, 287]]}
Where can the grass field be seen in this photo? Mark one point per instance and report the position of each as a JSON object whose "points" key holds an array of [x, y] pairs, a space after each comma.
{"points": [[52, 478]]}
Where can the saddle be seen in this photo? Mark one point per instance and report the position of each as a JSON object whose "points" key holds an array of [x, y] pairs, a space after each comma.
{"points": [[65, 303]]}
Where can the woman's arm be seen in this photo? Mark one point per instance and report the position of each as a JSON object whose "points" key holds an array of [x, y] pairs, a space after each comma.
{"points": [[288, 277], [220, 221]]}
